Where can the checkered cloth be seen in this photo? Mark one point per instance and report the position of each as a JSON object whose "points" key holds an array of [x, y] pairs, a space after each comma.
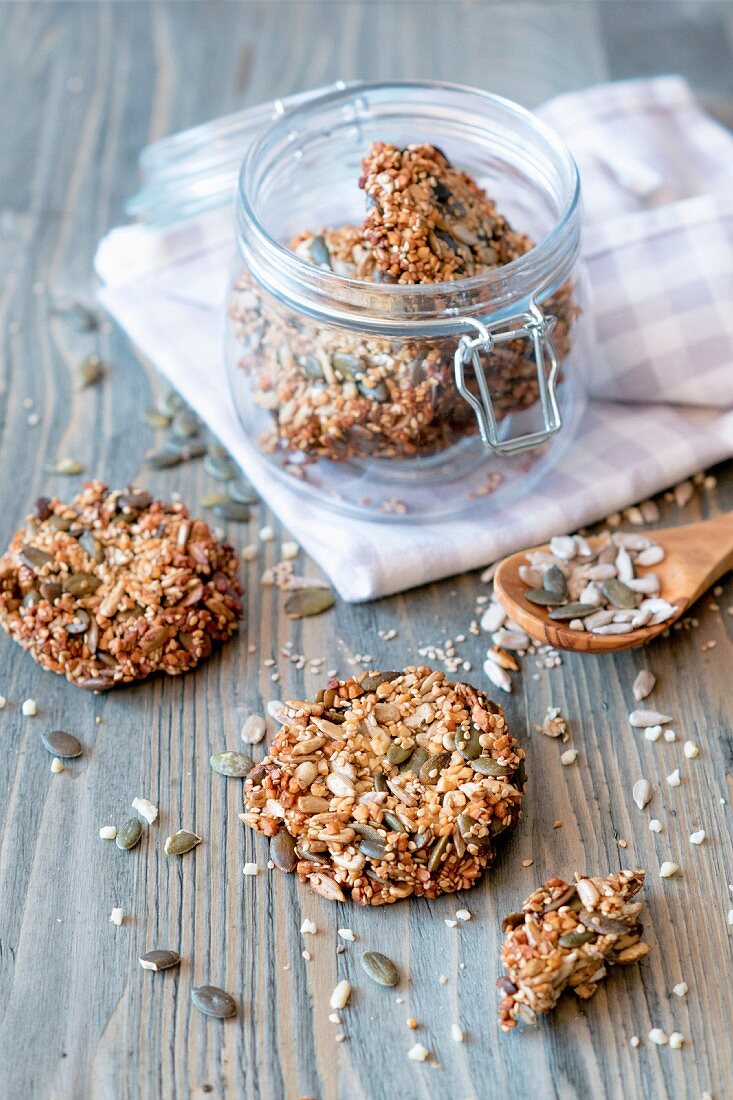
{"points": [[657, 177]]}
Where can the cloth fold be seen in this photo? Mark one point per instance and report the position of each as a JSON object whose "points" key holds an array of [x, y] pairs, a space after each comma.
{"points": [[657, 176]]}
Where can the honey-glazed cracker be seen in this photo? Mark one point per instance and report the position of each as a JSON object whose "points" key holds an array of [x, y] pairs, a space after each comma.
{"points": [[115, 586], [390, 784]]}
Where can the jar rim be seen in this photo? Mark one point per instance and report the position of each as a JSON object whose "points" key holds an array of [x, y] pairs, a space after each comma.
{"points": [[286, 269]]}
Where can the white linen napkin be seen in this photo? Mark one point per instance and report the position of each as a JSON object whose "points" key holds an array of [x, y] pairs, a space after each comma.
{"points": [[657, 177]]}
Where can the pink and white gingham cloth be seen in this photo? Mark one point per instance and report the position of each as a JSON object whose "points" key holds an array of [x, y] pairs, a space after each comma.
{"points": [[657, 175]]}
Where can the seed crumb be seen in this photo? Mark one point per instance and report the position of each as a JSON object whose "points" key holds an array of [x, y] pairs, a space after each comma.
{"points": [[697, 837], [3, 702], [346, 934], [568, 757], [635, 1041], [418, 1053], [443, 979], [267, 534], [456, 1033], [676, 1040], [289, 550], [527, 862], [451, 923], [655, 825], [691, 750], [341, 994], [463, 914], [412, 1023], [308, 928], [668, 869], [557, 824], [334, 1018], [146, 809], [57, 766], [29, 708], [680, 990], [340, 1037], [307, 956], [117, 916], [674, 778], [251, 869], [653, 733], [657, 1036], [108, 832]]}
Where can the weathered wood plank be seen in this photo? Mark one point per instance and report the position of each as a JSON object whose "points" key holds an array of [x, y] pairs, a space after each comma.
{"points": [[84, 87]]}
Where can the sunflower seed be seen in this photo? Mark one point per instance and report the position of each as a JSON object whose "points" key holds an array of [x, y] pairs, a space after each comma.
{"points": [[159, 960], [213, 1001], [380, 969], [180, 843], [255, 727], [651, 556], [308, 601], [493, 618], [643, 684], [642, 718], [90, 370], [282, 851], [234, 765], [612, 628], [571, 611], [67, 467], [642, 792], [129, 834], [563, 546], [498, 675], [63, 744]]}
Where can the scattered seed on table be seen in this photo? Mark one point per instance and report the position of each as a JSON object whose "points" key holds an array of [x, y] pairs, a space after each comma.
{"points": [[418, 1053], [232, 512], [697, 837], [117, 916], [340, 995], [380, 969], [56, 766], [643, 684], [212, 1001], [251, 869], [219, 467], [67, 467], [108, 832], [305, 602], [255, 728], [658, 1037], [180, 843], [29, 708], [282, 851], [674, 778], [90, 370], [668, 869], [681, 989], [62, 744], [146, 809], [690, 750], [234, 765], [569, 757], [159, 960], [129, 834], [642, 792], [642, 718]]}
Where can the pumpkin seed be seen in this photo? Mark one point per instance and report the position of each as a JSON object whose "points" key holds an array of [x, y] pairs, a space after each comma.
{"points": [[208, 500], [380, 969], [466, 825], [67, 467], [241, 492], [393, 821], [398, 754], [320, 255], [572, 611], [80, 624], [416, 761], [186, 449], [163, 460], [171, 403], [576, 938], [311, 366], [467, 742], [422, 840], [180, 843], [60, 523], [310, 856], [369, 833], [380, 783], [63, 744], [81, 584], [282, 851], [135, 500], [50, 590], [90, 370], [32, 598], [159, 960], [619, 594], [220, 467], [439, 853], [553, 580], [93, 546], [154, 418], [433, 766], [308, 601], [129, 834], [185, 425], [231, 512], [347, 366], [607, 926], [486, 765], [234, 765], [213, 1001], [544, 598], [378, 392], [33, 558]]}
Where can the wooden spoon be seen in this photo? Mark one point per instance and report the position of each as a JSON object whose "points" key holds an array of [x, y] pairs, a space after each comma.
{"points": [[698, 554]]}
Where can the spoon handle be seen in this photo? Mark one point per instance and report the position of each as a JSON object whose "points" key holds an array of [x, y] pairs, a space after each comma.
{"points": [[706, 548]]}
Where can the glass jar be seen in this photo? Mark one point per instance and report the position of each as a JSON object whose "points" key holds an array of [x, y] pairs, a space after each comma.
{"points": [[414, 402]]}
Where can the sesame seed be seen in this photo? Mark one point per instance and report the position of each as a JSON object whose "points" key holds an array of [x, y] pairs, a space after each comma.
{"points": [[57, 766], [635, 1041], [655, 825]]}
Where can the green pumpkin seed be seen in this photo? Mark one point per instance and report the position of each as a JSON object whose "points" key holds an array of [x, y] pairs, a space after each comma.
{"points": [[619, 594], [311, 366], [320, 255], [393, 822], [180, 843], [186, 449], [231, 512], [63, 744], [80, 624], [154, 418], [171, 403], [553, 580], [308, 601], [282, 851], [241, 492], [81, 584], [32, 598], [439, 853], [92, 546], [346, 366], [369, 833], [33, 558], [163, 460], [185, 425], [545, 598], [416, 761], [466, 825], [433, 766], [220, 467], [129, 834], [159, 960], [60, 523], [380, 783], [234, 765], [576, 939], [467, 742], [397, 753], [372, 850], [67, 467], [208, 500], [378, 392], [213, 1001], [422, 839], [572, 611], [50, 590], [380, 969], [310, 856], [607, 926], [486, 765], [90, 370], [134, 501]]}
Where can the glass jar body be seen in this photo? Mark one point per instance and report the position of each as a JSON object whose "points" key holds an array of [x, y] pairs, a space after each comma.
{"points": [[348, 387]]}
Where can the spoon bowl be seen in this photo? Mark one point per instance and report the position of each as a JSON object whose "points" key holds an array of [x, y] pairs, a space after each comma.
{"points": [[696, 556]]}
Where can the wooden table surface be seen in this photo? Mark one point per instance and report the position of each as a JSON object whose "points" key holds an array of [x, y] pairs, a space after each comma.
{"points": [[83, 87]]}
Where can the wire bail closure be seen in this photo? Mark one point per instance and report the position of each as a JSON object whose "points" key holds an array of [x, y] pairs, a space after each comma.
{"points": [[532, 325]]}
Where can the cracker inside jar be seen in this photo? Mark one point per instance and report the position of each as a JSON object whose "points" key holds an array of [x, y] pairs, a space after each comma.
{"points": [[340, 394], [390, 784]]}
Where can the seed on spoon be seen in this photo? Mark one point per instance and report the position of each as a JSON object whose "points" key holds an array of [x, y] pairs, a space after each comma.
{"points": [[572, 611], [545, 598]]}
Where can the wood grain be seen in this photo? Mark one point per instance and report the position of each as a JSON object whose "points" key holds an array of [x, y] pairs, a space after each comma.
{"points": [[84, 87]]}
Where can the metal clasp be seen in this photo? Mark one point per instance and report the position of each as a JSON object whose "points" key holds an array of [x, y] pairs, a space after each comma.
{"points": [[531, 325]]}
